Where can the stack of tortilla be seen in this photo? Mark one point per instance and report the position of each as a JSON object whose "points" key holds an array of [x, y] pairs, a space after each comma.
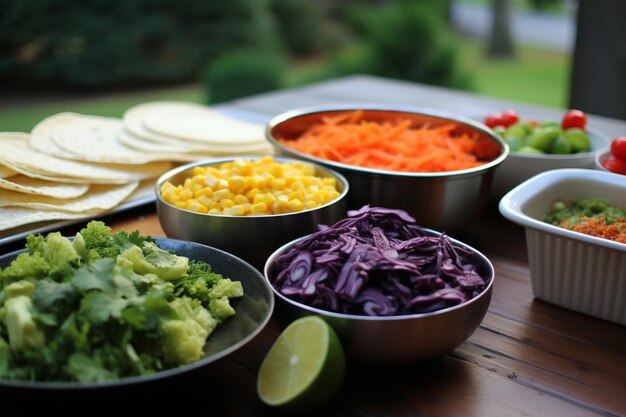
{"points": [[75, 166]]}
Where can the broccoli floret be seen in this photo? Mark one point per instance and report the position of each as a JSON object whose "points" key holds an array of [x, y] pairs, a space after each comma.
{"points": [[17, 288], [25, 266], [184, 338], [227, 288], [24, 333], [98, 242], [156, 261], [221, 309]]}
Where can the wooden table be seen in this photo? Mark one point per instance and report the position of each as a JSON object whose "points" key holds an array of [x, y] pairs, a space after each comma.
{"points": [[528, 358]]}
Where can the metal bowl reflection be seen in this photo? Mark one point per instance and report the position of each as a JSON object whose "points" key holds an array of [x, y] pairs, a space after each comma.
{"points": [[439, 200], [396, 339], [252, 238]]}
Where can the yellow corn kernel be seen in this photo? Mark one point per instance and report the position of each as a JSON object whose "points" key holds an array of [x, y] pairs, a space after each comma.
{"points": [[194, 205], [206, 191], [258, 208], [236, 184], [199, 171], [185, 194], [241, 199], [310, 205], [227, 202], [169, 196], [295, 205], [180, 204], [237, 210], [221, 194], [253, 191], [296, 195], [282, 199], [298, 186], [215, 211], [205, 201], [278, 184]]}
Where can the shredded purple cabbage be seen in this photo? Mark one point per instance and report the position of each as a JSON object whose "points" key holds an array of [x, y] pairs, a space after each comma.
{"points": [[377, 262]]}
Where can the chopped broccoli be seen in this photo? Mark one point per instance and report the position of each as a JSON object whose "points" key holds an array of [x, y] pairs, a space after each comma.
{"points": [[52, 256], [227, 288], [25, 266], [98, 241], [221, 309], [153, 260], [17, 288], [24, 333], [105, 306], [184, 337], [198, 283]]}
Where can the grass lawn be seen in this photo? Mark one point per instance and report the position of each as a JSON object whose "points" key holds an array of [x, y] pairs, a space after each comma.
{"points": [[536, 76]]}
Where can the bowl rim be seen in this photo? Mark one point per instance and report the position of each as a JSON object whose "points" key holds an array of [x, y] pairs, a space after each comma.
{"points": [[399, 317], [386, 107], [166, 373], [600, 157], [215, 161], [511, 205]]}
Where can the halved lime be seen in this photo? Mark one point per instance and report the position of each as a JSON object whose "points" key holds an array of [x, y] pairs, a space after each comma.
{"points": [[304, 368]]}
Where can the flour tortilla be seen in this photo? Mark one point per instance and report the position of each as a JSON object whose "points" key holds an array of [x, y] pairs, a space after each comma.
{"points": [[99, 198], [87, 138], [16, 154], [131, 140], [202, 124], [6, 172], [11, 217], [134, 124], [27, 185]]}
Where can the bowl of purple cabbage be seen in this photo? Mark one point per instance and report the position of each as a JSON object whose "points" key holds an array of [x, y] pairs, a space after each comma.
{"points": [[395, 292]]}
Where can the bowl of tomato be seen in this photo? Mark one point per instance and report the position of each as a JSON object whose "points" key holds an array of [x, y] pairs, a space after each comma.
{"points": [[538, 146], [613, 159]]}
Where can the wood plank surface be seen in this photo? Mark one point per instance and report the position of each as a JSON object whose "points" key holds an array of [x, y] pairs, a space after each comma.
{"points": [[528, 357]]}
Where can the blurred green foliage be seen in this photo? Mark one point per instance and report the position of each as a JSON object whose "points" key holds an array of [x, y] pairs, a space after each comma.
{"points": [[99, 44], [404, 39], [300, 25], [241, 73]]}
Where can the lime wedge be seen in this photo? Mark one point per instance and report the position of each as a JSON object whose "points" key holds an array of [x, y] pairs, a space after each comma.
{"points": [[304, 368]]}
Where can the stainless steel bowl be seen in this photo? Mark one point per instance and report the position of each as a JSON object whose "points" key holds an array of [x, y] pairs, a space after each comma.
{"points": [[252, 238], [396, 339], [439, 200]]}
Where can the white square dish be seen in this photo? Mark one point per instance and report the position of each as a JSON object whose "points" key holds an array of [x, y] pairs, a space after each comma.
{"points": [[571, 269]]}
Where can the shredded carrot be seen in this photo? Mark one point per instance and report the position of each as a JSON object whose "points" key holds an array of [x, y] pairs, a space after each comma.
{"points": [[395, 145]]}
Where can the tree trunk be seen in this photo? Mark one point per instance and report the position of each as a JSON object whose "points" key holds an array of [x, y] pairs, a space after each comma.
{"points": [[501, 39], [598, 81]]}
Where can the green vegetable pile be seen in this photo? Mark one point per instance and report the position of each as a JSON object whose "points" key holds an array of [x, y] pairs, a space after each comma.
{"points": [[546, 137], [105, 306]]}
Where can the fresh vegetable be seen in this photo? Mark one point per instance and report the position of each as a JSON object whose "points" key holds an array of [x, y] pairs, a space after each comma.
{"points": [[377, 261], [394, 145], [616, 162], [574, 118], [531, 137], [618, 148], [590, 216], [105, 306], [251, 188]]}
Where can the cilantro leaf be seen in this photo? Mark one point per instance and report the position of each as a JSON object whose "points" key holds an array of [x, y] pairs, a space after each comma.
{"points": [[98, 307]]}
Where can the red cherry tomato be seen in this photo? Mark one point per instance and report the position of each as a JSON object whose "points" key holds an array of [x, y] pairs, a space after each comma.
{"points": [[615, 165], [618, 148], [509, 117], [493, 120], [574, 118]]}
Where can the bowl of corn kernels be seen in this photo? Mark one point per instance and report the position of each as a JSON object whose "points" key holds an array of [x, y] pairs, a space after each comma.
{"points": [[248, 206]]}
